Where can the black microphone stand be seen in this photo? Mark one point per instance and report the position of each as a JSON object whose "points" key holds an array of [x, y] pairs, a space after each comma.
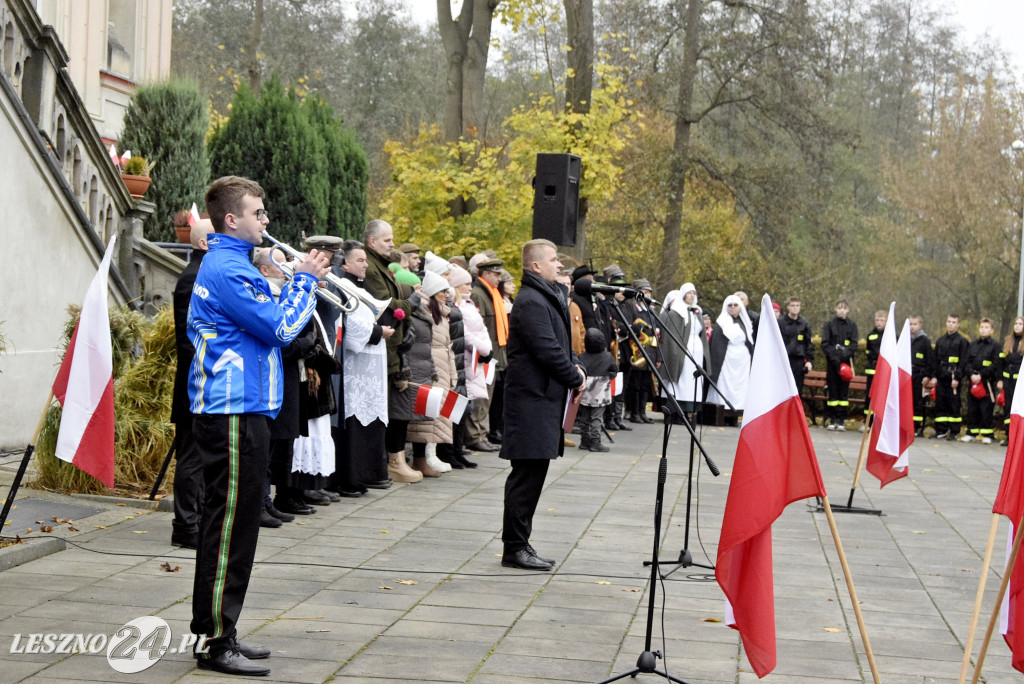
{"points": [[648, 660], [685, 559]]}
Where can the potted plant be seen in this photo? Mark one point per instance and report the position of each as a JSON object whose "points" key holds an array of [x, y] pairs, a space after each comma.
{"points": [[135, 174], [181, 227]]}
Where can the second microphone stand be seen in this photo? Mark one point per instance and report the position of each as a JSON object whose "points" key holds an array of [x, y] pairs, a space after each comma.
{"points": [[685, 559], [648, 660]]}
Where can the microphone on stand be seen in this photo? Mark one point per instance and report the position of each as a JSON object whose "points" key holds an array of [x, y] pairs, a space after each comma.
{"points": [[585, 287]]}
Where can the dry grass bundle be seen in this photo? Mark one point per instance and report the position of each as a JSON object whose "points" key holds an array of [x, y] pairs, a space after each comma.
{"points": [[144, 360]]}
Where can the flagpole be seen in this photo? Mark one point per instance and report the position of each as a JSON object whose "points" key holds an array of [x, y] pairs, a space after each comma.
{"points": [[29, 450], [978, 598], [849, 585], [999, 600], [869, 426]]}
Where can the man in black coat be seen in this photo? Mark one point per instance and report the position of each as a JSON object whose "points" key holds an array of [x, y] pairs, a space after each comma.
{"points": [[542, 370], [188, 472]]}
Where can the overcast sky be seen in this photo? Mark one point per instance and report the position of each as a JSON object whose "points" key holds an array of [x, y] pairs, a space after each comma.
{"points": [[1003, 19]]}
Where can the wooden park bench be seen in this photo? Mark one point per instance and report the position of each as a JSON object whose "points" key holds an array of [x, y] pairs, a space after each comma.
{"points": [[815, 395]]}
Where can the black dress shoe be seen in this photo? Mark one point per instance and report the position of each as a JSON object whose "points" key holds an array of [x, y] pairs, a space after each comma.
{"points": [[252, 652], [232, 662], [380, 484], [465, 461], [293, 506], [533, 552], [494, 438], [333, 496], [315, 498], [280, 515], [600, 448], [267, 520], [619, 425], [524, 560], [644, 418]]}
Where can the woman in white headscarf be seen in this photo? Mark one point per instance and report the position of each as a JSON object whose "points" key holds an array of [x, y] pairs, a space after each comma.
{"points": [[732, 346], [685, 321]]}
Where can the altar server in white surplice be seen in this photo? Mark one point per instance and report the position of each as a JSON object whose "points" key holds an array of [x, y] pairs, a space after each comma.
{"points": [[363, 458]]}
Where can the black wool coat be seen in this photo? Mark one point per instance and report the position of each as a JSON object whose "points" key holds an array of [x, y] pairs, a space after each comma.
{"points": [[291, 420], [541, 371], [181, 408]]}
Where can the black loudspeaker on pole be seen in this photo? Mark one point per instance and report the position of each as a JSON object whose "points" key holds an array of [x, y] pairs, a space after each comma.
{"points": [[556, 198]]}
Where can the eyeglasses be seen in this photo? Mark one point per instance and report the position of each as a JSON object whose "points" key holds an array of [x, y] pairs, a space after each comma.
{"points": [[262, 214]]}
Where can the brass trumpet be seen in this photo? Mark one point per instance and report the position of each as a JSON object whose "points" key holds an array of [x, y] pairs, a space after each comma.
{"points": [[348, 306], [352, 293]]}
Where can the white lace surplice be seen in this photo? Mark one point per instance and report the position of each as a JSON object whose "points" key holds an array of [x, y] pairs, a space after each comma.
{"points": [[314, 455], [366, 370]]}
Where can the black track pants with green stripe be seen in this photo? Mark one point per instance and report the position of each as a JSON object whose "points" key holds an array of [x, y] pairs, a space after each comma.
{"points": [[234, 451]]}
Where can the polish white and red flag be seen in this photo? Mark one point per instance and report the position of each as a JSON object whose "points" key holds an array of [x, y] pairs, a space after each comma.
{"points": [[1010, 502], [85, 386], [892, 400], [113, 156], [489, 368], [775, 465], [617, 384], [193, 215], [434, 402]]}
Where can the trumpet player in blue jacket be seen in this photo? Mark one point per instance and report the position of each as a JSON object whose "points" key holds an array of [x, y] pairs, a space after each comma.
{"points": [[235, 390]]}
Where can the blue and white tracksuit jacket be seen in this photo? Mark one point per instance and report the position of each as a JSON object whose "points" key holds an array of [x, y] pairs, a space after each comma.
{"points": [[237, 330]]}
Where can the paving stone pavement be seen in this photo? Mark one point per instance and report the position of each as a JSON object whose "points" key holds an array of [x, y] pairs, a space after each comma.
{"points": [[406, 584]]}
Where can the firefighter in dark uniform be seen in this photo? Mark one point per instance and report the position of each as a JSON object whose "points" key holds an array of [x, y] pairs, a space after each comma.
{"points": [[872, 348], [838, 342], [796, 336], [950, 367], [984, 368], [922, 369]]}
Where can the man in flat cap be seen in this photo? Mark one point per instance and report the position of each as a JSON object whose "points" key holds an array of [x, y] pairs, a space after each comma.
{"points": [[413, 252], [488, 300]]}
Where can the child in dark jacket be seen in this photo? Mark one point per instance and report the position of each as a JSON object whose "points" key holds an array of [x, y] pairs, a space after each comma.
{"points": [[984, 369], [601, 368]]}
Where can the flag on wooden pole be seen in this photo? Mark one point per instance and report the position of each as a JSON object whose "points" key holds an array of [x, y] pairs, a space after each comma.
{"points": [[1010, 502], [775, 465], [892, 431], [85, 386]]}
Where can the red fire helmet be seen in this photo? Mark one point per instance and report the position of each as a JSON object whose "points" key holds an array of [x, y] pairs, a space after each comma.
{"points": [[1001, 398], [978, 390], [845, 372]]}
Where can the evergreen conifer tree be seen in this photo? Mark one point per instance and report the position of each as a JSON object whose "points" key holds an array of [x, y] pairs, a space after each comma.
{"points": [[166, 123], [347, 170]]}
